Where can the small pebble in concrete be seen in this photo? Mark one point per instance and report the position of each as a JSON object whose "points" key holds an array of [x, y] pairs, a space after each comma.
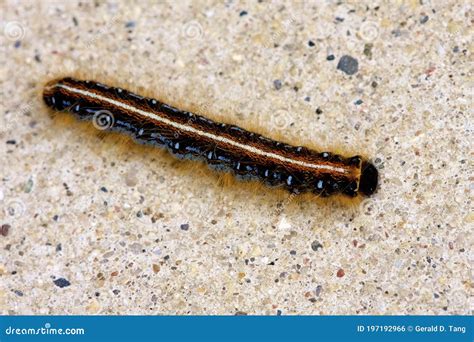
{"points": [[316, 245], [61, 282], [4, 229], [18, 293], [318, 290], [130, 24], [348, 64], [277, 84]]}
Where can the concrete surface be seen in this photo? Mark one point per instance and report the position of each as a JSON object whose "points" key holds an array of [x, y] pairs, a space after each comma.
{"points": [[90, 227]]}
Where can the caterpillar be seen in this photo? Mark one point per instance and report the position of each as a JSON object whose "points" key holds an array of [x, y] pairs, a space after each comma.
{"points": [[222, 146]]}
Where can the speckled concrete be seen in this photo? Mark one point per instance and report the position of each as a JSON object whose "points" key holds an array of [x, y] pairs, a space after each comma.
{"points": [[89, 227]]}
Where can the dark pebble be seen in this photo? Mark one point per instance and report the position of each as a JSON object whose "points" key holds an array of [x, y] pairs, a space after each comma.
{"points": [[368, 50], [103, 189], [319, 111], [348, 64], [11, 142], [311, 43], [307, 99], [243, 13], [5, 229], [17, 44], [74, 20], [424, 19], [316, 245], [277, 84], [130, 24], [18, 293], [318, 290], [61, 282], [116, 292], [330, 57], [293, 252], [358, 102], [241, 313], [184, 226], [59, 247]]}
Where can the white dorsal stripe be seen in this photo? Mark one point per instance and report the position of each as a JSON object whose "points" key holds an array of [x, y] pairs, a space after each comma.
{"points": [[188, 128]]}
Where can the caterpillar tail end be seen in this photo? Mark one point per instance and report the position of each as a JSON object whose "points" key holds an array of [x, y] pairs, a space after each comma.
{"points": [[368, 179]]}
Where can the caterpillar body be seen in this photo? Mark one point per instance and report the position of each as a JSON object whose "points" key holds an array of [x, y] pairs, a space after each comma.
{"points": [[223, 146]]}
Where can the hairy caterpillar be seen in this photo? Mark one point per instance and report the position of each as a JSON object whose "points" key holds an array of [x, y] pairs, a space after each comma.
{"points": [[224, 147]]}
